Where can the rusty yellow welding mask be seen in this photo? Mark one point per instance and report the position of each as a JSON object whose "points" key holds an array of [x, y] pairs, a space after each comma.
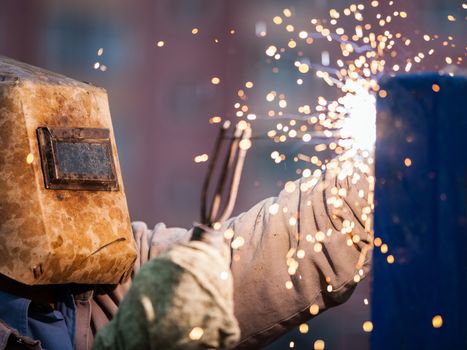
{"points": [[63, 211]]}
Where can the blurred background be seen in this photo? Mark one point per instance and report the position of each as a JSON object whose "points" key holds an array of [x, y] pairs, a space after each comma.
{"points": [[158, 73]]}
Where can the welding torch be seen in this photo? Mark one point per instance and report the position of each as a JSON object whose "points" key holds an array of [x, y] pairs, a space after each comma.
{"points": [[219, 207]]}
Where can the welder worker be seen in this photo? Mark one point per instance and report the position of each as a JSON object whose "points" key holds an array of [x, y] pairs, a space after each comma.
{"points": [[65, 241]]}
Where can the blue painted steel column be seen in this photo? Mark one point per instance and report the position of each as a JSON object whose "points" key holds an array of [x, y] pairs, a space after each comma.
{"points": [[421, 214]]}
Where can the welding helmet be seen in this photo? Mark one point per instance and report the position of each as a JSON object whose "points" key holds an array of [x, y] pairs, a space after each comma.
{"points": [[63, 211]]}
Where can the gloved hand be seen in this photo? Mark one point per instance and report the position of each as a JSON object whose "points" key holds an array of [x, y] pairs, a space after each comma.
{"points": [[180, 300], [299, 253]]}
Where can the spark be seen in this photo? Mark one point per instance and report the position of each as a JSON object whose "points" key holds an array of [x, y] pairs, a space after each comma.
{"points": [[277, 20], [303, 68], [160, 43], [319, 345], [367, 326], [237, 243], [30, 158], [201, 158], [292, 221], [303, 328], [271, 50], [303, 34], [148, 308], [437, 321], [196, 333], [245, 144], [318, 247], [215, 120], [314, 309], [260, 29], [336, 133], [228, 234], [319, 236]]}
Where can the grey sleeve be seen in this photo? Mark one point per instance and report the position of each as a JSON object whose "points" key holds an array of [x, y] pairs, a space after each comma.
{"points": [[308, 246]]}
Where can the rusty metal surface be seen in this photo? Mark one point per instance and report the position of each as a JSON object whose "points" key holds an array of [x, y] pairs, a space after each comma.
{"points": [[55, 236]]}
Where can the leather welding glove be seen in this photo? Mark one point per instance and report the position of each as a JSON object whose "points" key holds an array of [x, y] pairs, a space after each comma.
{"points": [[306, 247], [182, 299]]}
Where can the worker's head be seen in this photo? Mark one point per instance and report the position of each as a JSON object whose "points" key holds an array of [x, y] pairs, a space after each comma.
{"points": [[63, 212]]}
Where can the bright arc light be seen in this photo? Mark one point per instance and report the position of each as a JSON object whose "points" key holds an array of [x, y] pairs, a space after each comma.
{"points": [[360, 123]]}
